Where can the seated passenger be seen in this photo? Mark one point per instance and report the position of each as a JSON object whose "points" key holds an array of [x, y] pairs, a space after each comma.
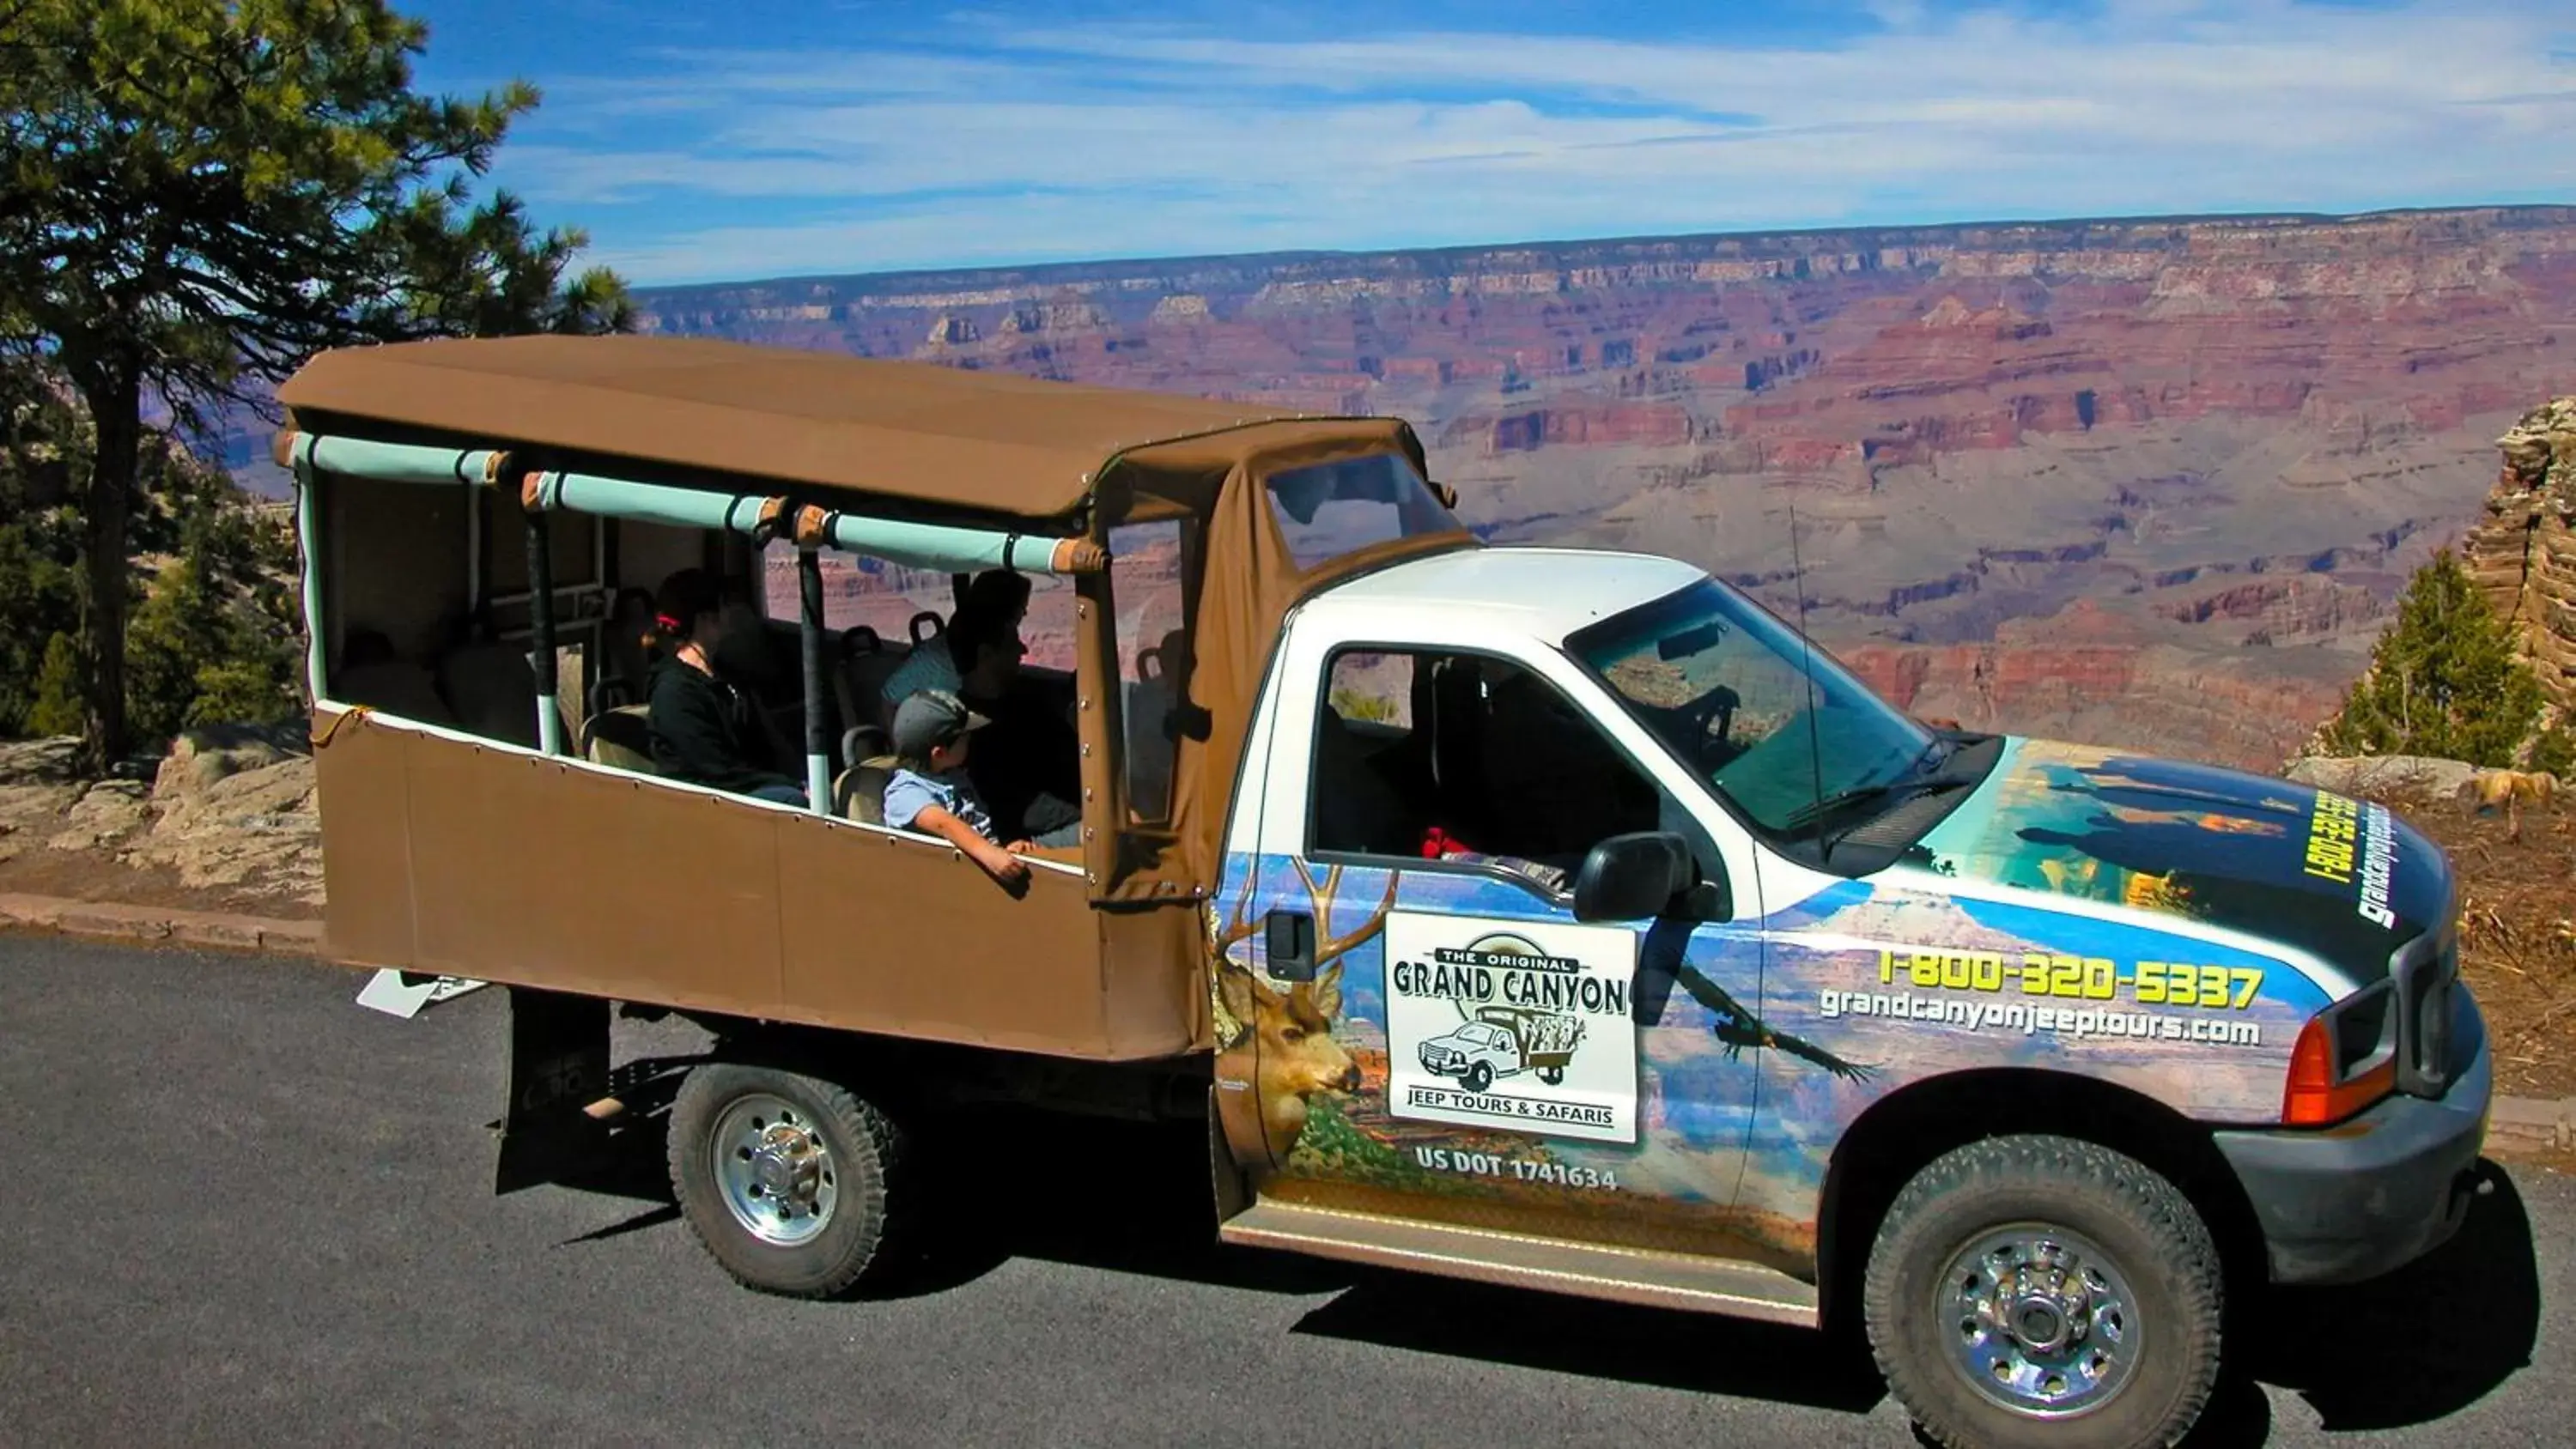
{"points": [[704, 728], [993, 594], [1029, 769], [747, 651], [929, 792], [633, 644]]}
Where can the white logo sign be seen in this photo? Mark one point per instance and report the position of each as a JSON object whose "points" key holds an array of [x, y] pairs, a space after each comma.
{"points": [[1516, 1025]]}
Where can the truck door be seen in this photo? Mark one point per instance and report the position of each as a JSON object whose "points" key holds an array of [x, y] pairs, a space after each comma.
{"points": [[1428, 1019]]}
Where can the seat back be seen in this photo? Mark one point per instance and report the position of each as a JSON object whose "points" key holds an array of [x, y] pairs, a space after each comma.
{"points": [[1449, 718], [491, 691], [621, 738], [860, 792], [866, 665], [397, 688]]}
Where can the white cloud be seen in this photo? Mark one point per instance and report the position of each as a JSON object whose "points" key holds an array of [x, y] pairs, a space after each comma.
{"points": [[1127, 140]]}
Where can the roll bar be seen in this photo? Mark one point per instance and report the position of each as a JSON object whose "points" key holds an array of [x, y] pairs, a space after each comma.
{"points": [[941, 547]]}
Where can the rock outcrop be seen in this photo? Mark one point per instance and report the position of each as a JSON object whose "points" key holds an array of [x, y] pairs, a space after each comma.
{"points": [[2421, 777], [2524, 553], [229, 817]]}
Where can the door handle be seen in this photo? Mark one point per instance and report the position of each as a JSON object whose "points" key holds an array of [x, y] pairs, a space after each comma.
{"points": [[1290, 941]]}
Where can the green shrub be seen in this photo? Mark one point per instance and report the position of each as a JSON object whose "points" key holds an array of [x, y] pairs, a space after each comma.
{"points": [[2443, 681], [2553, 751], [55, 708]]}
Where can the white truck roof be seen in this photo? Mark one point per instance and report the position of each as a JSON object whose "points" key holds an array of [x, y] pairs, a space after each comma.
{"points": [[1546, 592]]}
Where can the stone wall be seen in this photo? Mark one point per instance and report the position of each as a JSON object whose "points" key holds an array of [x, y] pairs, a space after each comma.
{"points": [[2524, 554]]}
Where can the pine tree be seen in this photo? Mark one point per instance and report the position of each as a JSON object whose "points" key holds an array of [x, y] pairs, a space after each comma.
{"points": [[56, 709], [2443, 681], [195, 195]]}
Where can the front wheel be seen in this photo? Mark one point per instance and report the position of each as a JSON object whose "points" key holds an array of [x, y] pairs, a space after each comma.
{"points": [[782, 1176], [1479, 1077], [2045, 1293]]}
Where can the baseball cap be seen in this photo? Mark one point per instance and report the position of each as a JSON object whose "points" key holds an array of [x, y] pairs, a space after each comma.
{"points": [[931, 717]]}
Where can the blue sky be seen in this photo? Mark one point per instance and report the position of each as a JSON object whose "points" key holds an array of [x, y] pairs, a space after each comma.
{"points": [[760, 138]]}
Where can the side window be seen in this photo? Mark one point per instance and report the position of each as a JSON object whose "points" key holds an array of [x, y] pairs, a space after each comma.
{"points": [[1145, 566], [1422, 755], [1326, 510]]}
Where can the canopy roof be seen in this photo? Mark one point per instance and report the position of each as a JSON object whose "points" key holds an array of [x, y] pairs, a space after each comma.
{"points": [[979, 440]]}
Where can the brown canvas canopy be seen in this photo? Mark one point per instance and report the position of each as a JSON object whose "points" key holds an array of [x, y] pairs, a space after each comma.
{"points": [[978, 440], [1085, 458]]}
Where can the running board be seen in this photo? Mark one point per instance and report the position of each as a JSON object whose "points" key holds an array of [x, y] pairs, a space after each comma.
{"points": [[1628, 1275]]}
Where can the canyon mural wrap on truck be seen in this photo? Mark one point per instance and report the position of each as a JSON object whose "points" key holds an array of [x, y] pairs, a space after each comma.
{"points": [[2082, 912]]}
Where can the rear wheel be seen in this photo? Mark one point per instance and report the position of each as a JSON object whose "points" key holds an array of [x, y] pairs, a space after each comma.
{"points": [[782, 1176], [2045, 1292]]}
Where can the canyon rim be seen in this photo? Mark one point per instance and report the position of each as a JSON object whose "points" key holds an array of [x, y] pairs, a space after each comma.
{"points": [[2145, 482]]}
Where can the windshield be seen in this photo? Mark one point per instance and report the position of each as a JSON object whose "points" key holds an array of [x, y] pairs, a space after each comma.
{"points": [[1326, 510], [1774, 724]]}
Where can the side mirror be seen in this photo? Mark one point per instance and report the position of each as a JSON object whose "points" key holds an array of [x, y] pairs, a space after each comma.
{"points": [[1631, 877]]}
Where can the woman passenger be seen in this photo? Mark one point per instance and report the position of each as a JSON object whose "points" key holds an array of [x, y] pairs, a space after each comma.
{"points": [[705, 729]]}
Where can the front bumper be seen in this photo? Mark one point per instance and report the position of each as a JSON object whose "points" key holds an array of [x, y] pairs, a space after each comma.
{"points": [[2344, 1203]]}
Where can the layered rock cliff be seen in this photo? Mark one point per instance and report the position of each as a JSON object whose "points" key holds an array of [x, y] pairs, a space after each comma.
{"points": [[2229, 439], [2524, 553]]}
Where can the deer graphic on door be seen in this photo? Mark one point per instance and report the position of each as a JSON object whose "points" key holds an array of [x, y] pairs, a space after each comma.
{"points": [[1278, 1039]]}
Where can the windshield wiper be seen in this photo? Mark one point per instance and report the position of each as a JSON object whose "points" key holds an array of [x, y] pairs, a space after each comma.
{"points": [[1888, 792]]}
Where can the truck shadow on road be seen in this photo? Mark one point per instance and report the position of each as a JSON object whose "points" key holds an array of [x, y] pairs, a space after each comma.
{"points": [[2414, 1347], [2411, 1348]]}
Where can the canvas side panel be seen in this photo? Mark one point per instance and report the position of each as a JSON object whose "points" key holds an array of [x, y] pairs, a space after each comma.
{"points": [[365, 799], [542, 873]]}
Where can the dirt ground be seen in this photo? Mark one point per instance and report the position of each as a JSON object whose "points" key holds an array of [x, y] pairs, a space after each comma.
{"points": [[2517, 935], [101, 875]]}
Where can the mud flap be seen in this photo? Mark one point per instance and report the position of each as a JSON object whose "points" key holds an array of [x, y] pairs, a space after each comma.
{"points": [[1233, 1193], [408, 993], [558, 1066]]}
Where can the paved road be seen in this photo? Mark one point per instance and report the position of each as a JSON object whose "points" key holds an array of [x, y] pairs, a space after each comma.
{"points": [[236, 1208]]}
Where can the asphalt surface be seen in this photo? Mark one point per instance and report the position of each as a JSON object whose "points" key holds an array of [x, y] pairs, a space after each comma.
{"points": [[237, 1208]]}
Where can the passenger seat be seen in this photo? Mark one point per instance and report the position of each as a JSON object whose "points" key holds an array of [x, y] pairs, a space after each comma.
{"points": [[396, 687], [492, 691], [860, 792], [867, 662], [621, 738]]}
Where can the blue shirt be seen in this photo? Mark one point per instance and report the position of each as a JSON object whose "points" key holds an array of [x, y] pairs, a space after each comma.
{"points": [[910, 792]]}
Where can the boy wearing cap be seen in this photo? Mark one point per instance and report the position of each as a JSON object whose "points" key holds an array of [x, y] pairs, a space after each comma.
{"points": [[929, 792]]}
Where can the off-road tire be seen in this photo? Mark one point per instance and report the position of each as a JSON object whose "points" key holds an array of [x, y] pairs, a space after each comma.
{"points": [[1553, 1076], [2148, 1228], [1479, 1077], [867, 1150]]}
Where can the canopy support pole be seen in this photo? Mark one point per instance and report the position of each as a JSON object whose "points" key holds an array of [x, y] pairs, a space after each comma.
{"points": [[951, 549], [960, 551], [541, 632], [818, 723], [308, 537]]}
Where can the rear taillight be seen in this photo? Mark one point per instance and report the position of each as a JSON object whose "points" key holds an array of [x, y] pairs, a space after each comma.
{"points": [[2345, 1059]]}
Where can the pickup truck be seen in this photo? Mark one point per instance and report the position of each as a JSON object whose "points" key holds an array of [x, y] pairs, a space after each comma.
{"points": [[1504, 1042], [2020, 1053]]}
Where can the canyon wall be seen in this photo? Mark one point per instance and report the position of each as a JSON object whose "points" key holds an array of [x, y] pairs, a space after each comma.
{"points": [[2524, 553], [2148, 482]]}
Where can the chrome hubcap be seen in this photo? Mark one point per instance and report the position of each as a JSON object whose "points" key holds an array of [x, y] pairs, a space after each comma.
{"points": [[777, 1177], [2040, 1320]]}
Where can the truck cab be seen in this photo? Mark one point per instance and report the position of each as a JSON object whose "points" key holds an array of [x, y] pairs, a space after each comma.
{"points": [[1833, 977]]}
